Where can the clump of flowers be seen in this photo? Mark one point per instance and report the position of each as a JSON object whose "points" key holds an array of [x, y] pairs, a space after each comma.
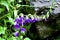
{"points": [[21, 20]]}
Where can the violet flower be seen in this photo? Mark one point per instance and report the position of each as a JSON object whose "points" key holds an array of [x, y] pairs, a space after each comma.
{"points": [[27, 19], [16, 33], [21, 21], [22, 30], [16, 25], [17, 19], [33, 19]]}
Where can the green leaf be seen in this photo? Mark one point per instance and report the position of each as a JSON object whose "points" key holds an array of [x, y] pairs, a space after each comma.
{"points": [[43, 16], [47, 15], [5, 3], [1, 38], [15, 13], [12, 0], [1, 10], [18, 5], [2, 30], [11, 20], [20, 1], [11, 38], [27, 38], [20, 37]]}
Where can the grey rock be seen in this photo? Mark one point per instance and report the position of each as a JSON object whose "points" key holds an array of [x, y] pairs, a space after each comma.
{"points": [[46, 3], [57, 10], [45, 31]]}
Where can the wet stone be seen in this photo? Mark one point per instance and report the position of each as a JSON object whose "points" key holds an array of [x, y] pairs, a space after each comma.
{"points": [[44, 3]]}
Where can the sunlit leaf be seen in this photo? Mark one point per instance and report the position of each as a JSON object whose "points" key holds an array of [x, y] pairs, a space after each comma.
{"points": [[43, 16], [2, 30], [5, 3], [18, 5], [47, 15], [20, 1], [15, 13], [11, 20], [11, 0], [12, 38], [27, 38], [1, 38], [20, 37]]}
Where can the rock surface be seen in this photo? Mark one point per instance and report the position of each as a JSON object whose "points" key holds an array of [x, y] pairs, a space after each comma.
{"points": [[44, 30], [46, 3]]}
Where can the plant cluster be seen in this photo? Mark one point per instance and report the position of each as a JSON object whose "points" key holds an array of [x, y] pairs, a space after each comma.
{"points": [[13, 21]]}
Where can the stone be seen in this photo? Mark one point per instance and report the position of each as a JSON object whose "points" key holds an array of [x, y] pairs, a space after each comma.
{"points": [[43, 3], [46, 31]]}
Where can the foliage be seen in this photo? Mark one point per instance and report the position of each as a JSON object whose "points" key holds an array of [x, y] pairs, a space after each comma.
{"points": [[9, 11]]}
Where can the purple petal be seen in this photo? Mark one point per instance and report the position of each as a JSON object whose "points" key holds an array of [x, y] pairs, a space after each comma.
{"points": [[21, 20], [22, 29], [17, 19], [16, 25], [34, 20], [27, 20], [16, 33]]}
